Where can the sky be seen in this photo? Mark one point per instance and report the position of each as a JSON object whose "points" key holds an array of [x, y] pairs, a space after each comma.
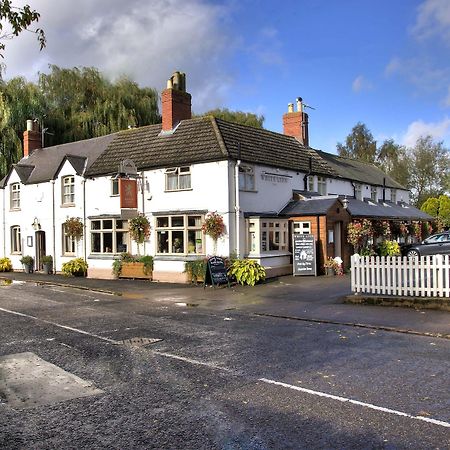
{"points": [[384, 63]]}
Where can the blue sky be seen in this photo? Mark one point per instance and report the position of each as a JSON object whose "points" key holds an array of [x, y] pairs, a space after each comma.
{"points": [[385, 63]]}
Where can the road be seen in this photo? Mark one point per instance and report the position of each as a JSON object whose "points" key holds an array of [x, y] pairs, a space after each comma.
{"points": [[216, 378]]}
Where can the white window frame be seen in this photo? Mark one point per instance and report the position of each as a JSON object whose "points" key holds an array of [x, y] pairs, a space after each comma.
{"points": [[14, 196], [168, 231], [177, 174], [68, 190], [322, 185], [373, 193], [114, 187], [394, 195], [310, 183], [102, 231], [302, 227], [247, 180], [358, 191], [263, 234], [69, 244], [16, 240]]}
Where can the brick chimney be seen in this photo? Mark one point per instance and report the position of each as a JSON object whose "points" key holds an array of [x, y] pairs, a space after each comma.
{"points": [[295, 123], [31, 138], [176, 102]]}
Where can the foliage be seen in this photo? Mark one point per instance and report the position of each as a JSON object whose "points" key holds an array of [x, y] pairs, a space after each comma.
{"points": [[213, 225], [19, 19], [382, 228], [359, 144], [196, 269], [47, 259], [389, 248], [27, 260], [128, 258], [415, 229], [393, 160], [335, 264], [139, 227], [73, 227], [243, 118], [358, 233], [5, 265], [367, 251], [72, 104], [75, 267], [247, 271], [439, 208]]}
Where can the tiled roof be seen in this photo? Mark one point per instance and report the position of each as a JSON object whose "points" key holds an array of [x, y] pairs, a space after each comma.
{"points": [[353, 169], [309, 207]]}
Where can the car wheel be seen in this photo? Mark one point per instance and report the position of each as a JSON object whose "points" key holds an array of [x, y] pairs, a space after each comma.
{"points": [[413, 254]]}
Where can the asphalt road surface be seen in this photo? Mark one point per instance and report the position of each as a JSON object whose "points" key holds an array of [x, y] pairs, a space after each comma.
{"points": [[164, 374]]}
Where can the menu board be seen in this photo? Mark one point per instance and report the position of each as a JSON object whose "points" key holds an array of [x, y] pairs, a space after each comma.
{"points": [[304, 254], [216, 272]]}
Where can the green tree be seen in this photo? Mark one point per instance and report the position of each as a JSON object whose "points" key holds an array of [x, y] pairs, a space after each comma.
{"points": [[249, 119], [439, 208], [359, 144], [392, 159], [429, 169], [19, 19]]}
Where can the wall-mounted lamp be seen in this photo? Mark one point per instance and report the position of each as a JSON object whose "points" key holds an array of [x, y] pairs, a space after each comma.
{"points": [[36, 225], [345, 202]]}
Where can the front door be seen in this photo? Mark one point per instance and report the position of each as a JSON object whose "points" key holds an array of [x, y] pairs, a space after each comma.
{"points": [[40, 248]]}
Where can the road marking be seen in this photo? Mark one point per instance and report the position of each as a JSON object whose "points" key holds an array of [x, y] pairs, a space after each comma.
{"points": [[193, 361], [64, 327], [356, 402]]}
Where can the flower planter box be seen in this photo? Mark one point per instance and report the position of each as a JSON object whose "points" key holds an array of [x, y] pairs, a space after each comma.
{"points": [[135, 270]]}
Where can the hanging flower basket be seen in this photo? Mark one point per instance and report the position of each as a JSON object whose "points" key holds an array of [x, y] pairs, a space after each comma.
{"points": [[139, 229], [213, 225], [74, 227]]}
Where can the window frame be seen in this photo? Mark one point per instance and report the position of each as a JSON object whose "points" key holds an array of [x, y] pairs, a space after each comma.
{"points": [[373, 193], [16, 240], [102, 231], [322, 185], [180, 173], [114, 184], [358, 191], [170, 229], [258, 235], [69, 244], [300, 227], [310, 181], [247, 179], [71, 192], [394, 195], [14, 196]]}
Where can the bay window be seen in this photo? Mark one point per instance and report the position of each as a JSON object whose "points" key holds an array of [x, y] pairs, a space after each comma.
{"points": [[267, 235]]}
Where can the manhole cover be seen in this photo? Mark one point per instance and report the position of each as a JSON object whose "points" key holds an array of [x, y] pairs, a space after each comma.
{"points": [[27, 381], [139, 341]]}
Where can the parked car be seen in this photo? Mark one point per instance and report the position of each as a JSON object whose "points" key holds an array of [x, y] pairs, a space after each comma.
{"points": [[437, 244]]}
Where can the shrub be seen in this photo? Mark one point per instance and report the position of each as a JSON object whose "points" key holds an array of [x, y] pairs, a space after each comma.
{"points": [[27, 260], [196, 269], [247, 271], [47, 259], [74, 227], [75, 267], [389, 248], [5, 265]]}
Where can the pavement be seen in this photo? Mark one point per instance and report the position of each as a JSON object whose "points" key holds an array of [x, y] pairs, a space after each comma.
{"points": [[312, 299]]}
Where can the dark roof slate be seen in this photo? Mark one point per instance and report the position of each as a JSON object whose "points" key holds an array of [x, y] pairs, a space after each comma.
{"points": [[309, 207], [352, 169]]}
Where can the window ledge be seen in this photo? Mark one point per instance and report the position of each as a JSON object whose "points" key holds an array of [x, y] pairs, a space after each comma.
{"points": [[271, 254], [254, 191], [110, 256], [67, 205], [181, 257], [14, 209], [178, 190]]}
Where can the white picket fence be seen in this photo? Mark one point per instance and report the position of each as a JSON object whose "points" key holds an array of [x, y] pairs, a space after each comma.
{"points": [[427, 276]]}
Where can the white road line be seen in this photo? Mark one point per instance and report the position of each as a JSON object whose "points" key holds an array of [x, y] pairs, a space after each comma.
{"points": [[65, 327], [192, 361], [356, 402]]}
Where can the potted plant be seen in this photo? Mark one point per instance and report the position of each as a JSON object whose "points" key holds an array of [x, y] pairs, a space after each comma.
{"points": [[75, 268], [128, 266], [196, 270], [73, 227], [332, 266], [47, 262], [28, 263]]}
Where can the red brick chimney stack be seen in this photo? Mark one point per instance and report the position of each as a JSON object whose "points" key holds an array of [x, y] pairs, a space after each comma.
{"points": [[295, 123], [175, 101], [31, 138]]}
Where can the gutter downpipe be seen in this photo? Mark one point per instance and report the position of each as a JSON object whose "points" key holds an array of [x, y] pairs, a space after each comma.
{"points": [[143, 199], [53, 225], [354, 188], [384, 189], [237, 206]]}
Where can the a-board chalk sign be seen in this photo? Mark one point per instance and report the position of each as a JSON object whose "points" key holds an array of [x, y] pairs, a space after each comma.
{"points": [[304, 254], [216, 272]]}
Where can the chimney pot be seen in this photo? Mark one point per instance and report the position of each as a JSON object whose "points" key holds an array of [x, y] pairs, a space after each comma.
{"points": [[175, 102], [31, 138], [290, 107]]}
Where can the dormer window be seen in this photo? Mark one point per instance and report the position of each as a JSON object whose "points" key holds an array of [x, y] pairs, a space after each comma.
{"points": [[246, 178], [178, 178], [68, 190], [15, 196]]}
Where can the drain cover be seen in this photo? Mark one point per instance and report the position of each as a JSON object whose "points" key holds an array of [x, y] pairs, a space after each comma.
{"points": [[139, 341]]}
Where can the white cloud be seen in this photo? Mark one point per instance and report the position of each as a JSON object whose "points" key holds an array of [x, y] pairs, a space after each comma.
{"points": [[433, 19], [437, 130], [146, 40], [361, 84]]}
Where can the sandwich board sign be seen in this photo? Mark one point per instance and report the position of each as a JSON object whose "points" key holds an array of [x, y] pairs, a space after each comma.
{"points": [[216, 272], [304, 254]]}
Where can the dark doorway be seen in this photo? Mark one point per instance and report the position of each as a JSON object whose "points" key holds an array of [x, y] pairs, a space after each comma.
{"points": [[40, 249]]}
